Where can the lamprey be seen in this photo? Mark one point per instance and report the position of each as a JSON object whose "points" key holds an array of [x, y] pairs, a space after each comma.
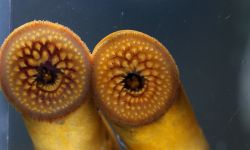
{"points": [[137, 88], [45, 73]]}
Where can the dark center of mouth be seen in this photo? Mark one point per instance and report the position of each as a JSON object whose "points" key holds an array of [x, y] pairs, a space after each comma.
{"points": [[47, 73], [133, 81]]}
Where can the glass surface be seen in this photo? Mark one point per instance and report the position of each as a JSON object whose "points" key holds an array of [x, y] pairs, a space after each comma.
{"points": [[209, 40]]}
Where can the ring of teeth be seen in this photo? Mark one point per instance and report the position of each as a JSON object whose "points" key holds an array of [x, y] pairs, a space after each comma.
{"points": [[135, 77], [45, 70]]}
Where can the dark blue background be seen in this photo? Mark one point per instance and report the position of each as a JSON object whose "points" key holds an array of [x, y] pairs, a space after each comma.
{"points": [[4, 107], [207, 38]]}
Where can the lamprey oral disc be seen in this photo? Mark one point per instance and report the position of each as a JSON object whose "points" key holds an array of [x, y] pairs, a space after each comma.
{"points": [[45, 70], [135, 78]]}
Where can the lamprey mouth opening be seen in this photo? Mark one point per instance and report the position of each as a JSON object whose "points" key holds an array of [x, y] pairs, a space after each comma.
{"points": [[46, 73], [135, 78], [133, 81], [44, 69]]}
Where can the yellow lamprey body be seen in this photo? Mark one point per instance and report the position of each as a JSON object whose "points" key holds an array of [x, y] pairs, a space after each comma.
{"points": [[45, 74], [137, 87], [80, 130], [175, 130]]}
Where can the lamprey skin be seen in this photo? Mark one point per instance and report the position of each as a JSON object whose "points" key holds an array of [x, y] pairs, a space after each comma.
{"points": [[80, 130], [177, 129], [45, 74], [137, 88]]}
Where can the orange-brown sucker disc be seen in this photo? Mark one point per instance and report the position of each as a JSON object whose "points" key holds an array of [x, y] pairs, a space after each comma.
{"points": [[135, 78], [44, 69]]}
